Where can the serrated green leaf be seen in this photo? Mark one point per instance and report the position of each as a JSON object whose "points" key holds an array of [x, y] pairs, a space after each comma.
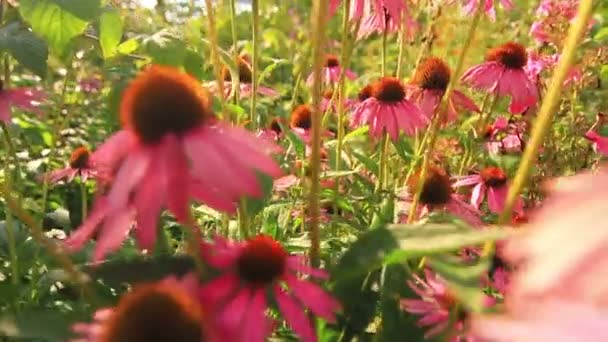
{"points": [[27, 48], [59, 21], [110, 32]]}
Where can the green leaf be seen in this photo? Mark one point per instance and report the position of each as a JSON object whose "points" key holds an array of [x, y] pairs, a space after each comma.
{"points": [[27, 48], [128, 46], [170, 52], [602, 34], [297, 143], [110, 32], [59, 21], [255, 205], [40, 324], [193, 64], [418, 240], [369, 163]]}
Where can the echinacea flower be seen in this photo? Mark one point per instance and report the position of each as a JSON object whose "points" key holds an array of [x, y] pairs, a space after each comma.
{"points": [[245, 82], [24, 98], [254, 268], [470, 7], [600, 143], [503, 137], [300, 123], [428, 85], [559, 290], [171, 149], [167, 310], [492, 183], [437, 194], [79, 165], [434, 306], [331, 72], [388, 110], [504, 74], [273, 132]]}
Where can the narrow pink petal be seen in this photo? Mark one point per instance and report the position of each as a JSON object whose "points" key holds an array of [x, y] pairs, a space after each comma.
{"points": [[113, 232], [255, 322], [477, 195], [178, 179], [231, 315], [214, 198], [294, 315], [433, 318], [215, 292], [467, 180], [298, 264], [314, 297], [114, 149], [85, 232], [496, 198], [129, 175], [148, 201]]}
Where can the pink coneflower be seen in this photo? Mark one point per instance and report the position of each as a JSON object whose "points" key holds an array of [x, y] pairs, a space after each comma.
{"points": [[79, 165], [435, 304], [438, 194], [470, 6], [245, 81], [389, 111], [428, 85], [503, 74], [168, 310], [300, 123], [273, 132], [492, 183], [254, 268], [24, 98], [171, 149], [358, 8], [331, 71], [600, 143], [559, 290], [91, 84]]}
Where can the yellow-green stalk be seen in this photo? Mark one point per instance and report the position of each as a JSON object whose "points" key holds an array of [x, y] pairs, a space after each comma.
{"points": [[215, 55], [255, 15]]}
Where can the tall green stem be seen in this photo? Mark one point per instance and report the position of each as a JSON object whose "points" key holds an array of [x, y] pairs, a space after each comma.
{"points": [[402, 43], [434, 129], [235, 48], [318, 38], [83, 199], [255, 14], [549, 105], [215, 54], [384, 38], [9, 224], [344, 61]]}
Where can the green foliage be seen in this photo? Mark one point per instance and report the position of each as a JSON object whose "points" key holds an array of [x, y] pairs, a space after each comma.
{"points": [[110, 32], [25, 47]]}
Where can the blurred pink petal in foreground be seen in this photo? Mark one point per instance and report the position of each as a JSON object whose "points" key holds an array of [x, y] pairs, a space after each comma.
{"points": [[25, 98], [251, 269], [600, 143], [560, 291]]}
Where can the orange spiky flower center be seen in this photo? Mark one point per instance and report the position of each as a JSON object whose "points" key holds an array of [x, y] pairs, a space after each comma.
{"points": [[433, 74], [262, 261], [493, 176], [80, 158], [437, 188], [301, 117], [163, 100], [155, 312], [332, 61], [365, 93], [388, 90], [511, 55], [244, 69]]}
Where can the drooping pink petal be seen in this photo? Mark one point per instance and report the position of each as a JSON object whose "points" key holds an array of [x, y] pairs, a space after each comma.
{"points": [[478, 195], [177, 172], [148, 202], [467, 180], [298, 264], [497, 197], [255, 327], [114, 231], [311, 295], [217, 291], [294, 315], [128, 177], [85, 232]]}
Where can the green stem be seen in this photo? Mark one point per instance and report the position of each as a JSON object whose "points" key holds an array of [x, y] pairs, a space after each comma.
{"points": [[429, 36], [10, 232], [83, 199], [549, 105], [235, 48], [434, 129], [383, 162], [255, 14], [215, 54], [402, 43], [384, 38], [318, 38], [484, 118], [345, 61]]}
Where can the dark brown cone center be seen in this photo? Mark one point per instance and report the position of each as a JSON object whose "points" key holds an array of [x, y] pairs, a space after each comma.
{"points": [[388, 90], [262, 261], [511, 55]]}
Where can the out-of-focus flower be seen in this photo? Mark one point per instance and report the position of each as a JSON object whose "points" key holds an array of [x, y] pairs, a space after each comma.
{"points": [[504, 137], [273, 132], [491, 182], [470, 6], [168, 310], [559, 291], [388, 110], [428, 85], [79, 165], [245, 81], [537, 63], [553, 17], [330, 99], [171, 149], [437, 194], [503, 74], [249, 271], [24, 98], [91, 84], [331, 72], [300, 123]]}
